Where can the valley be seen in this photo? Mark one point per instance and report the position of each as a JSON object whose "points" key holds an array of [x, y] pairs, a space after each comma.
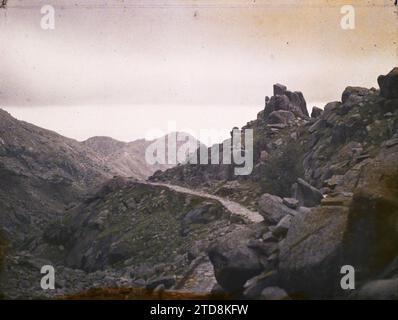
{"points": [[323, 193]]}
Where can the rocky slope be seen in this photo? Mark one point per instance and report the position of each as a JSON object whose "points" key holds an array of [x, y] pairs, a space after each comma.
{"points": [[127, 159], [42, 173], [128, 233], [325, 186], [327, 189]]}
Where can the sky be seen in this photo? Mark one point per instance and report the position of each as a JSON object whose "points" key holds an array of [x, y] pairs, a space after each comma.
{"points": [[123, 68]]}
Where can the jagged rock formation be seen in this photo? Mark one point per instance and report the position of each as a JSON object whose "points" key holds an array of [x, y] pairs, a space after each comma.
{"points": [[343, 163], [283, 113]]}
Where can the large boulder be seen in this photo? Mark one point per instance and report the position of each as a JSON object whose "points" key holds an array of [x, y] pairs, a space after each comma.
{"points": [[234, 262], [362, 234], [286, 100], [353, 91], [389, 84], [279, 89], [273, 209], [298, 102], [379, 290], [316, 112], [310, 256], [307, 195], [372, 237]]}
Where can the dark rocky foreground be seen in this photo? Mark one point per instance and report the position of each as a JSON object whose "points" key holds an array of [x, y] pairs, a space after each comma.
{"points": [[326, 187]]}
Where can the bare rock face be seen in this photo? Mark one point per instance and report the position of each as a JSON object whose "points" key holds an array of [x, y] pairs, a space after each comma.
{"points": [[389, 84], [310, 255]]}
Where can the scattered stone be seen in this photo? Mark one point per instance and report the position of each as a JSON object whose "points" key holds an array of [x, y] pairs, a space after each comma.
{"points": [[167, 282], [390, 143], [272, 208], [274, 293], [256, 285], [306, 194], [291, 202]]}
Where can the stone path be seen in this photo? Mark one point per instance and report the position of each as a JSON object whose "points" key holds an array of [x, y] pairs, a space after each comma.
{"points": [[231, 206]]}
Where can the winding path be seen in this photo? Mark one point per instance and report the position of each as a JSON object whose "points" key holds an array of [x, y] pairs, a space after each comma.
{"points": [[231, 206]]}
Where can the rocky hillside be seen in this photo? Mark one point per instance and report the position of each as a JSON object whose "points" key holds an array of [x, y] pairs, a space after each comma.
{"points": [[42, 173], [323, 195], [128, 233], [289, 145], [327, 189], [127, 159]]}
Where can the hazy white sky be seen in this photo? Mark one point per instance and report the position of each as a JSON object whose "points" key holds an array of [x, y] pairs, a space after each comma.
{"points": [[119, 68]]}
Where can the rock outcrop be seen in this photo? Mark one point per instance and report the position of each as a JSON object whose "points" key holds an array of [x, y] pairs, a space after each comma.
{"points": [[234, 262], [389, 84]]}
